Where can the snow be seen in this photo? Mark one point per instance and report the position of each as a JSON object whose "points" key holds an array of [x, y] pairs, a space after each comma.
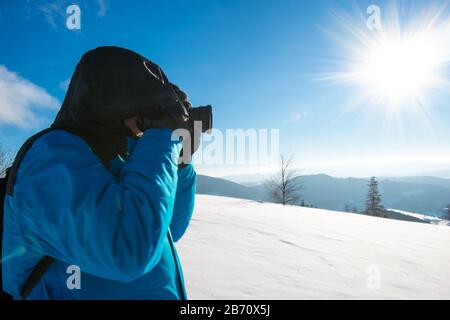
{"points": [[423, 217], [242, 249]]}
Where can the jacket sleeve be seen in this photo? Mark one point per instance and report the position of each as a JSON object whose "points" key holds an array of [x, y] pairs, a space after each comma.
{"points": [[184, 201], [79, 213]]}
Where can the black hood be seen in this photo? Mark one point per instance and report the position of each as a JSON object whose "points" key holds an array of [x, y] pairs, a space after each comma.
{"points": [[109, 85]]}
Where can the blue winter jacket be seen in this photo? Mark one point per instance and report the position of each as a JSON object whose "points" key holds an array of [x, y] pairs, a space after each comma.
{"points": [[115, 224]]}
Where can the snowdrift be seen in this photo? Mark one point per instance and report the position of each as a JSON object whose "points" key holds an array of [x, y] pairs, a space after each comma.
{"points": [[242, 249]]}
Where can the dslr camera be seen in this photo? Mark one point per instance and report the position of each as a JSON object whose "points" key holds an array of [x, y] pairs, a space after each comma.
{"points": [[172, 109]]}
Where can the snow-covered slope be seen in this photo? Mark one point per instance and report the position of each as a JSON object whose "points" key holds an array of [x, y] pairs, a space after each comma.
{"points": [[241, 249], [423, 217]]}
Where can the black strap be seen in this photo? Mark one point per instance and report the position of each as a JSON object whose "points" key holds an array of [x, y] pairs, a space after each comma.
{"points": [[38, 272], [19, 157], [43, 264]]}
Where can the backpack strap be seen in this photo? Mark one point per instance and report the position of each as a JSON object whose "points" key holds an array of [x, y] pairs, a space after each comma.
{"points": [[18, 159], [38, 272], [45, 262]]}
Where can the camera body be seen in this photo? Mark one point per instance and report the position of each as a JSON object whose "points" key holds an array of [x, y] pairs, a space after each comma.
{"points": [[170, 108], [203, 115]]}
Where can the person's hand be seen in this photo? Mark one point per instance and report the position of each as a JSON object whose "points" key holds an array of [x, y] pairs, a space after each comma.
{"points": [[191, 135], [131, 123], [191, 144]]}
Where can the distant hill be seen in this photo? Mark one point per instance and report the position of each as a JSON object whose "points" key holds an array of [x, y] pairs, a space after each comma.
{"points": [[442, 182], [247, 179], [440, 174], [425, 195], [222, 187]]}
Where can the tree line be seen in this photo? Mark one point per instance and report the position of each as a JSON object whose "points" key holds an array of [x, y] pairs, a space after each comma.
{"points": [[285, 187]]}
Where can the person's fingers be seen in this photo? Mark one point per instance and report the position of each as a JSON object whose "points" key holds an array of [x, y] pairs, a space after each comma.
{"points": [[131, 123]]}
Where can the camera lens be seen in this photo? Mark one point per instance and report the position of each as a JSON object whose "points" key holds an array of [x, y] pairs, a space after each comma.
{"points": [[204, 115]]}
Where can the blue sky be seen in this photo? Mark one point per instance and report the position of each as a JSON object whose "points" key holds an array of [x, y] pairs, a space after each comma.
{"points": [[258, 62]]}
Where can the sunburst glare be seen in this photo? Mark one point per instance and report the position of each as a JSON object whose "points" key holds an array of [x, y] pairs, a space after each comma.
{"points": [[398, 67]]}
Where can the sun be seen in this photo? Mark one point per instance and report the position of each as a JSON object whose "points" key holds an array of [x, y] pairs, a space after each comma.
{"points": [[398, 70]]}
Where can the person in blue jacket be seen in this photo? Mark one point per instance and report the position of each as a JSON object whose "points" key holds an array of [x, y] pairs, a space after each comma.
{"points": [[101, 193]]}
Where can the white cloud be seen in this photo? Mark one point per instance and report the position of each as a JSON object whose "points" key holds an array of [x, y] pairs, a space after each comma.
{"points": [[54, 12], [20, 99]]}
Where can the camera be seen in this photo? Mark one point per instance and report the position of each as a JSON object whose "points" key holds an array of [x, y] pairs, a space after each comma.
{"points": [[171, 109], [204, 115]]}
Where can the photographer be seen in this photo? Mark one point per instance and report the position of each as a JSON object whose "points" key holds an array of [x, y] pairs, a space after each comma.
{"points": [[103, 189]]}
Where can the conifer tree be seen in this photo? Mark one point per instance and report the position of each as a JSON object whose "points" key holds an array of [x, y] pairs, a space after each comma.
{"points": [[373, 200]]}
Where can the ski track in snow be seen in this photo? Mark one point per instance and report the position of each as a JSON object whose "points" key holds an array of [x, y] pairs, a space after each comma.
{"points": [[241, 249]]}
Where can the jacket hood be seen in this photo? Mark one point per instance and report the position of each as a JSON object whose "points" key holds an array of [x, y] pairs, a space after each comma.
{"points": [[111, 84]]}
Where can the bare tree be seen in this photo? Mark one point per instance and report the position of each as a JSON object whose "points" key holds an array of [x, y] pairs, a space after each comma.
{"points": [[5, 160], [284, 187]]}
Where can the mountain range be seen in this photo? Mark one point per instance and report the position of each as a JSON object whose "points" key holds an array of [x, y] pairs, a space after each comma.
{"points": [[421, 194]]}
